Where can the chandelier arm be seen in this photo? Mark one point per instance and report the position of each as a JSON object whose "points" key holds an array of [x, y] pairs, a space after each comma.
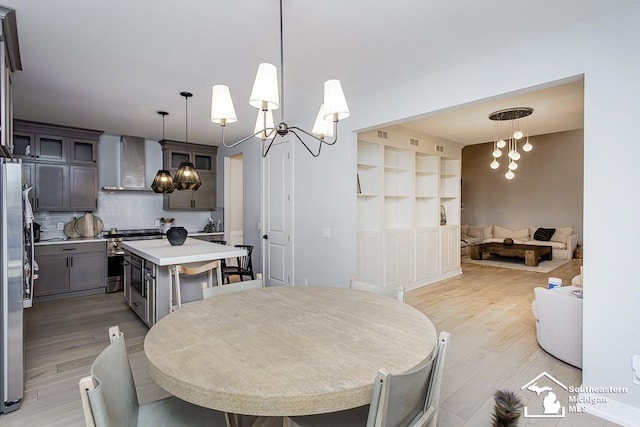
{"points": [[304, 144], [242, 140], [264, 153]]}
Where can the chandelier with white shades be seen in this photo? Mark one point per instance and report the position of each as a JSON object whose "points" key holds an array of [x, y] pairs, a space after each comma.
{"points": [[509, 135], [266, 97]]}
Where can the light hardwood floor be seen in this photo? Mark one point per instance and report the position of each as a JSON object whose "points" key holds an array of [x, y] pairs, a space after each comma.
{"points": [[487, 311]]}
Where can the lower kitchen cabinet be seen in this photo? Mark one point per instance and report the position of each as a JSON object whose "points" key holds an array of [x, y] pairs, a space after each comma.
{"points": [[70, 267]]}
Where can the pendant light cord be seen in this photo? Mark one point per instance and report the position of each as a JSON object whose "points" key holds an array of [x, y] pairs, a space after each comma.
{"points": [[281, 67], [186, 119]]}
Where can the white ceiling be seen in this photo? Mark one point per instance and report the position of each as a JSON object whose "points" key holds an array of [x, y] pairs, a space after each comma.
{"points": [[111, 65]]}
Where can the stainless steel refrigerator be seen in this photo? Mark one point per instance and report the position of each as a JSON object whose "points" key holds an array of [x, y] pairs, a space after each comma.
{"points": [[12, 285]]}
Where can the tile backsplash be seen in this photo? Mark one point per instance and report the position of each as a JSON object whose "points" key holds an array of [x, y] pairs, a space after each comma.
{"points": [[125, 211]]}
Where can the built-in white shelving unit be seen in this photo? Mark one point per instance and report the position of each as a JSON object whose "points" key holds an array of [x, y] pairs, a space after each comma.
{"points": [[404, 178]]}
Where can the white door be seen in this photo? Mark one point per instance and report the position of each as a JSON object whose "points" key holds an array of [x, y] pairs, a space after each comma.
{"points": [[278, 214]]}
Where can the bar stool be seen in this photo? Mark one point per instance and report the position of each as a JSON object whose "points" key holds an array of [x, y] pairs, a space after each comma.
{"points": [[191, 269]]}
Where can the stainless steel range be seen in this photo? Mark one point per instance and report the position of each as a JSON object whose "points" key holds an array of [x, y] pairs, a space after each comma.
{"points": [[115, 253]]}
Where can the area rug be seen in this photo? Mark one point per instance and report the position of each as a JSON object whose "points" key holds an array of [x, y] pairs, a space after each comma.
{"points": [[516, 263]]}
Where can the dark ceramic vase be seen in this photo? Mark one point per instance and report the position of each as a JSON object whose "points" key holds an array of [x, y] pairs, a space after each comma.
{"points": [[177, 235]]}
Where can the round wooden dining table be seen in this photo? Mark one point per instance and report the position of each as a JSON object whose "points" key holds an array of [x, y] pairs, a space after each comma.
{"points": [[286, 350]]}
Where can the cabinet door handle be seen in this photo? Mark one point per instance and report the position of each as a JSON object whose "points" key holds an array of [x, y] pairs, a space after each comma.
{"points": [[71, 262], [67, 262], [37, 201]]}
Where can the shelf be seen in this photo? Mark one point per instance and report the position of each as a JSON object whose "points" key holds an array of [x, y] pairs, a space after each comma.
{"points": [[425, 173], [425, 197], [397, 196], [445, 175], [367, 195], [395, 169], [367, 165]]}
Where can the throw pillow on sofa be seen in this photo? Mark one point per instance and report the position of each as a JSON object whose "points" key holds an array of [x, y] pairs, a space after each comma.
{"points": [[514, 233], [544, 234], [562, 233]]}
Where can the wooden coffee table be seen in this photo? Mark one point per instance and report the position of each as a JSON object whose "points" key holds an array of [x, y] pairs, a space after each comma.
{"points": [[532, 254]]}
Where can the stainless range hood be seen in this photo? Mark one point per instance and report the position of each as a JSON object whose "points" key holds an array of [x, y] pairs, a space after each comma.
{"points": [[131, 166]]}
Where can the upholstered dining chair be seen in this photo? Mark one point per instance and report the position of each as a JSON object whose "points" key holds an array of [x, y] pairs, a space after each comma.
{"points": [[401, 400], [397, 292], [233, 287], [109, 396]]}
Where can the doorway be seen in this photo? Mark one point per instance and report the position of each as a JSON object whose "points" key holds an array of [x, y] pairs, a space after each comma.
{"points": [[234, 199]]}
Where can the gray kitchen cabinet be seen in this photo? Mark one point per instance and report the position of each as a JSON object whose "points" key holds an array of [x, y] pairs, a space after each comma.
{"points": [[203, 158], [65, 163], [87, 270], [83, 151], [53, 274], [70, 267], [83, 188], [205, 197], [51, 187]]}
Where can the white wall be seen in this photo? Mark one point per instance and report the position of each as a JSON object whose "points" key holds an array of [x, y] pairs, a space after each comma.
{"points": [[605, 51]]}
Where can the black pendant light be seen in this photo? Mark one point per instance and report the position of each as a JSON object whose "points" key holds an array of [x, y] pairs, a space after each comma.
{"points": [[163, 183], [187, 176]]}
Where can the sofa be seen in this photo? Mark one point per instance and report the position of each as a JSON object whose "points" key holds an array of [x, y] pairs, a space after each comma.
{"points": [[563, 240], [558, 314]]}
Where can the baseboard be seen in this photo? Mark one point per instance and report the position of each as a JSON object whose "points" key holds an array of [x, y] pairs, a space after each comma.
{"points": [[612, 410], [433, 279]]}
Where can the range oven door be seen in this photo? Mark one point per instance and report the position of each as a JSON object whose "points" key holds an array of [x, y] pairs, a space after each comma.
{"points": [[115, 271]]}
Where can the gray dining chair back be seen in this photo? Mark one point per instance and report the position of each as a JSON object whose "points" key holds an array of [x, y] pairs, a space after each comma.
{"points": [[109, 396], [398, 400], [397, 292], [233, 287]]}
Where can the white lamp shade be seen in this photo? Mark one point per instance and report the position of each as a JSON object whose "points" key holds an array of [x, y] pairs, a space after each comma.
{"points": [[267, 131], [265, 88], [502, 143], [334, 101], [509, 174], [518, 134], [222, 105], [527, 146], [515, 156], [496, 153], [322, 127], [494, 164], [512, 165]]}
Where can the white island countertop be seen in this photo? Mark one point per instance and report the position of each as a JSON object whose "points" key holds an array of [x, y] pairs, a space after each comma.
{"points": [[160, 251]]}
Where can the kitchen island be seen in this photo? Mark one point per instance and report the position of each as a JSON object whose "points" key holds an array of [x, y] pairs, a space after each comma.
{"points": [[147, 270]]}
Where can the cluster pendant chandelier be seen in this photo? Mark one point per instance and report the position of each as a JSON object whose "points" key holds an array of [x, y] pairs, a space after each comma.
{"points": [[266, 97], [187, 178], [514, 134]]}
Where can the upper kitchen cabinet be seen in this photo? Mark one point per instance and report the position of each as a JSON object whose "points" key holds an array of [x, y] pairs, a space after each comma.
{"points": [[203, 158], [63, 164], [9, 63]]}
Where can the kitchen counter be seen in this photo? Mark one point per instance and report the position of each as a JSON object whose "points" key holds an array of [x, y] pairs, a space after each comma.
{"points": [[154, 271], [160, 251], [63, 241], [203, 233]]}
